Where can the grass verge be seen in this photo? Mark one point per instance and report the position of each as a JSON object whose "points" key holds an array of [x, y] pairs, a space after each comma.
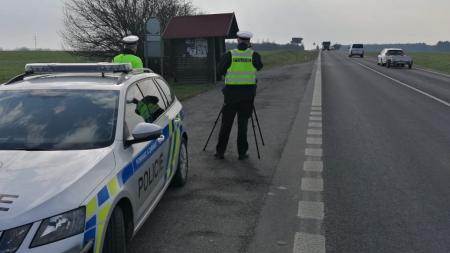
{"points": [[278, 58], [12, 63], [185, 91]]}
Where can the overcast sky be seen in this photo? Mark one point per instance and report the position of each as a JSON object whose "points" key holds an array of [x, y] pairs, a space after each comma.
{"points": [[344, 21]]}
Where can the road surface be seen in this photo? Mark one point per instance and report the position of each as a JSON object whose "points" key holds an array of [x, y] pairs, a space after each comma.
{"points": [[357, 159], [218, 210], [387, 157]]}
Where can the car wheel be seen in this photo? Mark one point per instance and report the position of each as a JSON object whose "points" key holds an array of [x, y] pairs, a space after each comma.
{"points": [[362, 56], [181, 175], [388, 64], [115, 237]]}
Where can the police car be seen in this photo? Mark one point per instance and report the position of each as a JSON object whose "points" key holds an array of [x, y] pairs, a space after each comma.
{"points": [[83, 161]]}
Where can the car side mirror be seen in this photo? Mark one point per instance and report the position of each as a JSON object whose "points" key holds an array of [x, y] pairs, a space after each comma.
{"points": [[144, 132]]}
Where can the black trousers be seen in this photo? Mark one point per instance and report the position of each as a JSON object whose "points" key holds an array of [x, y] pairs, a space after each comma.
{"points": [[243, 108]]}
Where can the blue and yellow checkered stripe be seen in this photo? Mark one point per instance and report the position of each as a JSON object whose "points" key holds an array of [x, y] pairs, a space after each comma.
{"points": [[99, 207]]}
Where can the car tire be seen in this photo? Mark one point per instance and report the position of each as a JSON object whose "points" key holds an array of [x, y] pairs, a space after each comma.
{"points": [[181, 175], [115, 236], [388, 64], [362, 56], [410, 65]]}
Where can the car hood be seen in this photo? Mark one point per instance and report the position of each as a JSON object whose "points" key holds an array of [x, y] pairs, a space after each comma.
{"points": [[41, 184]]}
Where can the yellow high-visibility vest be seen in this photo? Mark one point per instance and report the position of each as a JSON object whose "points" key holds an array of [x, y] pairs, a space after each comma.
{"points": [[135, 61], [241, 71]]}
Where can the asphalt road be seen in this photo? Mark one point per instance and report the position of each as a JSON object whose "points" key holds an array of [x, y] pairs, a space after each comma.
{"points": [[387, 157], [357, 159], [220, 207]]}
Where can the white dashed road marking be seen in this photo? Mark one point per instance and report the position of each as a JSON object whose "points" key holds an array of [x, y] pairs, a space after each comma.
{"points": [[313, 166], [315, 118], [314, 140], [315, 124], [316, 152], [311, 241], [310, 210], [314, 132], [312, 184]]}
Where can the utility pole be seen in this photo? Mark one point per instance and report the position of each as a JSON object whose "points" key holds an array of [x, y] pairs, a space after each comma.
{"points": [[35, 41]]}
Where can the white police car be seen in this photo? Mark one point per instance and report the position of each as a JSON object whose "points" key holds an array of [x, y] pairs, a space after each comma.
{"points": [[86, 153]]}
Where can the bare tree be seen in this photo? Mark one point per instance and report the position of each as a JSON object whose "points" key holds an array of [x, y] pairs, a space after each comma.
{"points": [[95, 27]]}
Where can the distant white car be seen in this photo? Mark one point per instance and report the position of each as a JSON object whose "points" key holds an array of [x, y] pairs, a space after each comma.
{"points": [[394, 57], [356, 49]]}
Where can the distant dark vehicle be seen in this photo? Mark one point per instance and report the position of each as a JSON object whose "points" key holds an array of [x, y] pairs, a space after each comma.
{"points": [[356, 49], [326, 45]]}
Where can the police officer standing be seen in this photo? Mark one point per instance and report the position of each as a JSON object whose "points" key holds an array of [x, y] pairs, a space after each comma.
{"points": [[239, 67], [128, 54]]}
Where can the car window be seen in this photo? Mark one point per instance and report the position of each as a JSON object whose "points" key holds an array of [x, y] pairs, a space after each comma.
{"points": [[357, 46], [395, 52], [152, 105], [57, 119], [166, 90], [132, 115]]}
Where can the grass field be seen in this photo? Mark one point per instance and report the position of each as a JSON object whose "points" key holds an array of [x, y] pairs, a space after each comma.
{"points": [[277, 58], [432, 61], [12, 64]]}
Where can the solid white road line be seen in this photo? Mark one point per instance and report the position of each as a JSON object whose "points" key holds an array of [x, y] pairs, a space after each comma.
{"points": [[314, 132], [312, 184], [433, 72], [313, 166], [406, 85], [314, 140], [310, 210], [317, 95], [317, 152], [309, 243]]}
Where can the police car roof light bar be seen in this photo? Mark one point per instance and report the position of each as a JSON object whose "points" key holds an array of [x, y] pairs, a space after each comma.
{"points": [[48, 68]]}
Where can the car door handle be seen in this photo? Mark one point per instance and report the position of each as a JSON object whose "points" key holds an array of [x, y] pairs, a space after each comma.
{"points": [[161, 139]]}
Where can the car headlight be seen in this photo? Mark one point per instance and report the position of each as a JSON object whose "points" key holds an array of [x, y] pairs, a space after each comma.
{"points": [[11, 239], [60, 227]]}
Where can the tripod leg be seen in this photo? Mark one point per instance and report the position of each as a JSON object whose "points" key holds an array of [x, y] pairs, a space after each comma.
{"points": [[259, 126], [256, 139], [212, 130]]}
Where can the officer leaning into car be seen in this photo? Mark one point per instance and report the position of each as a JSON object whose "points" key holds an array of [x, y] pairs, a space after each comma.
{"points": [[239, 67], [148, 108], [128, 54]]}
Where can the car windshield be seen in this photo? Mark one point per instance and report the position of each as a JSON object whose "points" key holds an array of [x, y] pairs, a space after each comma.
{"points": [[57, 119], [395, 52], [357, 46]]}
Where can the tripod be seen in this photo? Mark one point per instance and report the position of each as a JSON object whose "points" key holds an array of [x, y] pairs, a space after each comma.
{"points": [[253, 127]]}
